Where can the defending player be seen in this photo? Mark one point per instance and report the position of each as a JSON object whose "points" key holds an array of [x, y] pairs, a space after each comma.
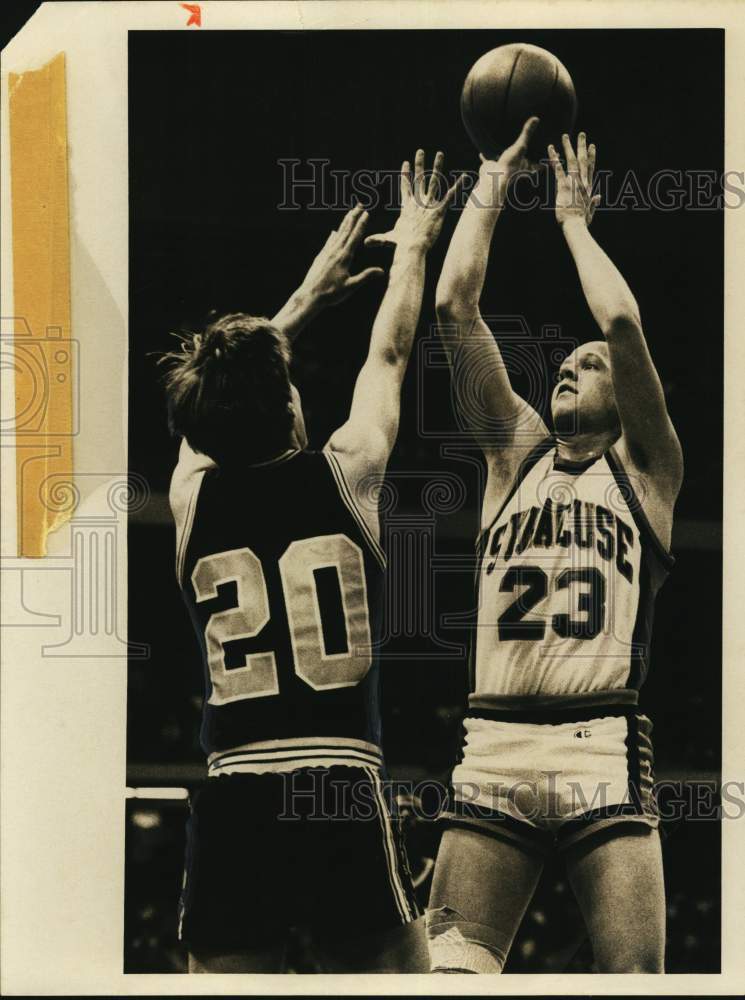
{"points": [[282, 571], [574, 543]]}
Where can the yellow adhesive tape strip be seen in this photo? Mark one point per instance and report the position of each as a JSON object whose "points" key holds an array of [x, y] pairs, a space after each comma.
{"points": [[42, 345]]}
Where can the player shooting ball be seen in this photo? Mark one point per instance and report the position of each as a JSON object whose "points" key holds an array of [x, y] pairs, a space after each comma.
{"points": [[574, 544]]}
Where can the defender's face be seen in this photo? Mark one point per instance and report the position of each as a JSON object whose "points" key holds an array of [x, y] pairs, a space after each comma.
{"points": [[299, 435], [583, 400]]}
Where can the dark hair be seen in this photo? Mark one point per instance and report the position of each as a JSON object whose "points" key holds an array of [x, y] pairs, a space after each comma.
{"points": [[228, 389]]}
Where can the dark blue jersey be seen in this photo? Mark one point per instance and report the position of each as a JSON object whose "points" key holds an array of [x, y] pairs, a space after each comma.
{"points": [[283, 581]]}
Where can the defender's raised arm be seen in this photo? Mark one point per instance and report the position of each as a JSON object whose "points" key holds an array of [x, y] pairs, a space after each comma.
{"points": [[368, 436], [328, 280]]}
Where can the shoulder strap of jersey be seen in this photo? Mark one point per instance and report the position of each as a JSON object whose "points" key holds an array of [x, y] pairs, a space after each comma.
{"points": [[350, 503], [182, 496], [531, 459], [637, 511], [481, 542]]}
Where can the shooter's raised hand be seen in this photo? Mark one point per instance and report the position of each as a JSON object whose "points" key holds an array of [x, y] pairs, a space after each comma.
{"points": [[514, 158], [574, 197]]}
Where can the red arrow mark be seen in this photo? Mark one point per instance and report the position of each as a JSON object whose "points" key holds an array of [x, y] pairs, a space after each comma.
{"points": [[196, 14]]}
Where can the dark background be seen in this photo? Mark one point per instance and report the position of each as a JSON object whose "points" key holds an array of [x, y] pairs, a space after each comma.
{"points": [[211, 113]]}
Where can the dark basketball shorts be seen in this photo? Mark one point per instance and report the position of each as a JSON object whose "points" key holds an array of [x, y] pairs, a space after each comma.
{"points": [[544, 786], [315, 848]]}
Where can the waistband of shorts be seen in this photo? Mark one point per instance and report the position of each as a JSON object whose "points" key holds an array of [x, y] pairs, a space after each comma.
{"points": [[292, 754], [554, 709]]}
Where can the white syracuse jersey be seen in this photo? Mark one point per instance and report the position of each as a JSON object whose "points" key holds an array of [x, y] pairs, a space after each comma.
{"points": [[567, 576]]}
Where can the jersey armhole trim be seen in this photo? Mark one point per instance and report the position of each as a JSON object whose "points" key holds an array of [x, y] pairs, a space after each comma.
{"points": [[183, 540], [666, 558], [349, 502], [531, 459]]}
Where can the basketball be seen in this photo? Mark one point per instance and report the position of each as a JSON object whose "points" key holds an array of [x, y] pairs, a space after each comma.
{"points": [[509, 84]]}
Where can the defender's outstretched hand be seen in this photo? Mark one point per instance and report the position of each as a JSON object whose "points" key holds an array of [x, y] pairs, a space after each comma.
{"points": [[422, 209], [328, 278], [574, 198]]}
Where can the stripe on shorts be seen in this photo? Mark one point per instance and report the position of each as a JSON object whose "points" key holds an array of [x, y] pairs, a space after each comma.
{"points": [[389, 847], [292, 754]]}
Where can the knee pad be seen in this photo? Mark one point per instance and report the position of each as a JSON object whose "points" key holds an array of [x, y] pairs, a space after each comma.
{"points": [[457, 945]]}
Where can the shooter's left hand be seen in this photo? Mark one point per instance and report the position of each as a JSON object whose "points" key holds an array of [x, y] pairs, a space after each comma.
{"points": [[574, 197]]}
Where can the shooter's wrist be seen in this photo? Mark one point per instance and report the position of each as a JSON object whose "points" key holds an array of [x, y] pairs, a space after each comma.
{"points": [[573, 223], [490, 191]]}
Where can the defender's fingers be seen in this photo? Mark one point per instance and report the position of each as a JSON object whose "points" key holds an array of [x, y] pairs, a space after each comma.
{"points": [[436, 182], [582, 156], [569, 156], [359, 228], [370, 273], [556, 162], [405, 181], [380, 239], [418, 167], [349, 221], [591, 154]]}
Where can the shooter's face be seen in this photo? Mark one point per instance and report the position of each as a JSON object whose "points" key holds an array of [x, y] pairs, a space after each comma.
{"points": [[583, 400]]}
